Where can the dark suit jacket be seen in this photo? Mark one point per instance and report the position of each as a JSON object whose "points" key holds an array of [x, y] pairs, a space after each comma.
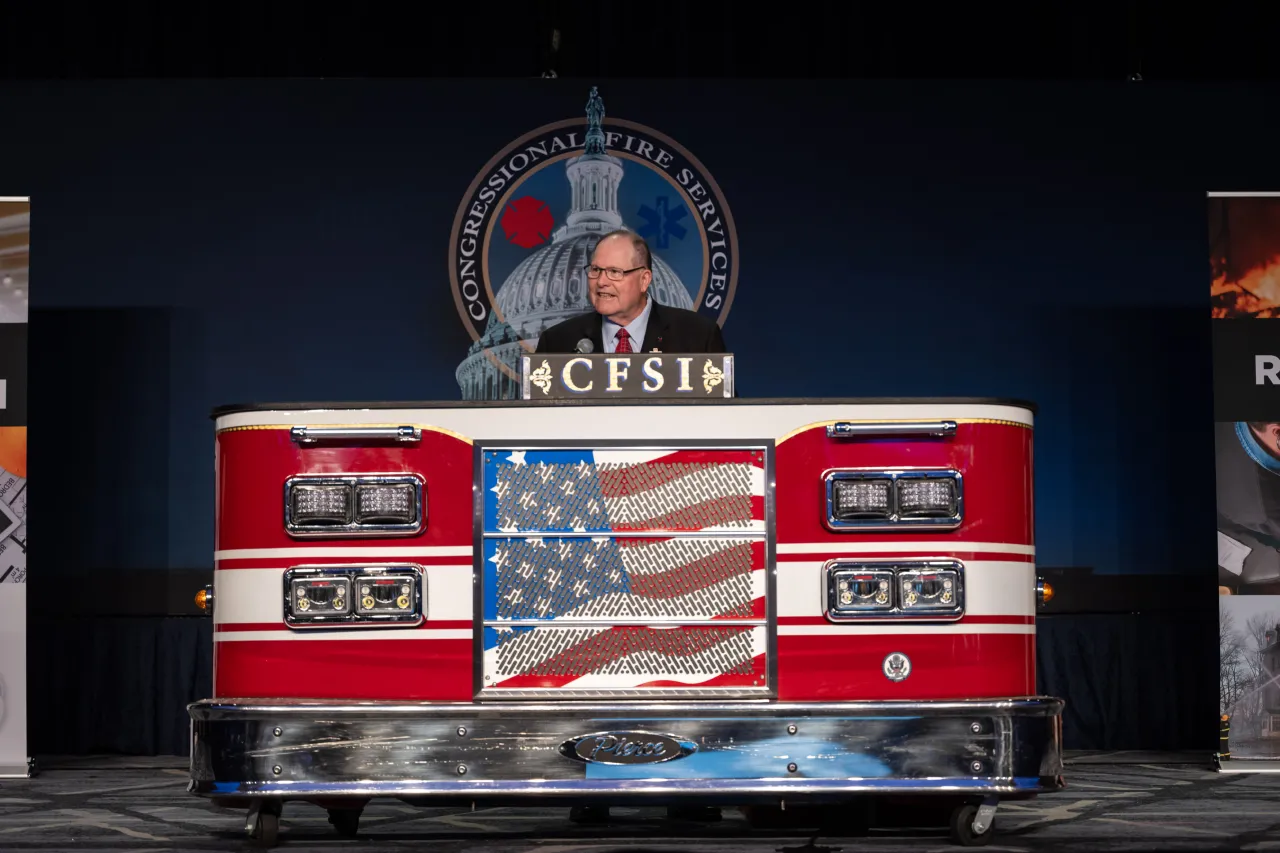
{"points": [[669, 330]]}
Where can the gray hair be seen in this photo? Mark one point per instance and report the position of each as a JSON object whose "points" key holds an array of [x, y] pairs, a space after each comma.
{"points": [[640, 246]]}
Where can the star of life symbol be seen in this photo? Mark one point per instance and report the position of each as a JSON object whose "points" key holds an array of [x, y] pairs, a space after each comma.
{"points": [[662, 222]]}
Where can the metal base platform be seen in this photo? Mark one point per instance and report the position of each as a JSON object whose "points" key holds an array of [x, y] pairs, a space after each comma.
{"points": [[730, 752], [16, 771], [1249, 765]]}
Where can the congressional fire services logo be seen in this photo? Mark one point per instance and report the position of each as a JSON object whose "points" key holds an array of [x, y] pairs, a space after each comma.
{"points": [[527, 226]]}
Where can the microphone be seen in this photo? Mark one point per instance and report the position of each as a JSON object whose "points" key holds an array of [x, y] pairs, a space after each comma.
{"points": [[584, 346]]}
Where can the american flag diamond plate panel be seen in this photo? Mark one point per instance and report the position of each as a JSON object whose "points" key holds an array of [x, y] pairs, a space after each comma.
{"points": [[603, 491], [605, 658], [624, 572], [618, 579]]}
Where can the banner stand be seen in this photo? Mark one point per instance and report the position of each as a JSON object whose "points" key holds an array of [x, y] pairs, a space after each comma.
{"points": [[15, 253], [14, 288], [1244, 260]]}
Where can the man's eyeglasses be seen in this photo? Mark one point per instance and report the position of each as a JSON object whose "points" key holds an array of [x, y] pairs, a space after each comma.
{"points": [[613, 273]]}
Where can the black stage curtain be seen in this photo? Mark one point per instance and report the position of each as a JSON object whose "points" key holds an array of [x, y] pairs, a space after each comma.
{"points": [[116, 684], [121, 684], [1132, 681]]}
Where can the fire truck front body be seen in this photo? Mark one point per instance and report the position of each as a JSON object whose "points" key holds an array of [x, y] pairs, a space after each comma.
{"points": [[748, 602]]}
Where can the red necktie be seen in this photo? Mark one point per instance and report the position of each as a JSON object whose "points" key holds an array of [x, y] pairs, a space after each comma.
{"points": [[624, 341]]}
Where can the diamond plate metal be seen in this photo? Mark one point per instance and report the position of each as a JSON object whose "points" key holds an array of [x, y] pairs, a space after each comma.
{"points": [[583, 578], [555, 651], [607, 496]]}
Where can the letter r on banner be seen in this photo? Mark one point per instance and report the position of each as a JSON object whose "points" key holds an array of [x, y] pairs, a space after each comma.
{"points": [[1266, 369]]}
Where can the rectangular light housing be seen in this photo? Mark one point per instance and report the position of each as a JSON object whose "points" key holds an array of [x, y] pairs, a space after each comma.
{"points": [[354, 596], [357, 505], [386, 503], [872, 590], [927, 497], [929, 590], [319, 598], [854, 499], [321, 505], [853, 590], [891, 499], [385, 593]]}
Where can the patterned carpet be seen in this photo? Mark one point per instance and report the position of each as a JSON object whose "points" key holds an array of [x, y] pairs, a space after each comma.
{"points": [[1112, 803]]}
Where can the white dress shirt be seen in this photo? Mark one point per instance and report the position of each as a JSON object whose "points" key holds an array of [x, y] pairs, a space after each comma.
{"points": [[635, 329]]}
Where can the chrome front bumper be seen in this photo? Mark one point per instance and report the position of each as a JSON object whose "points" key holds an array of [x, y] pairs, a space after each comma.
{"points": [[726, 752]]}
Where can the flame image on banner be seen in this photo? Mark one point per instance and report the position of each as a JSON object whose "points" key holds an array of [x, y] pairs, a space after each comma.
{"points": [[1244, 245]]}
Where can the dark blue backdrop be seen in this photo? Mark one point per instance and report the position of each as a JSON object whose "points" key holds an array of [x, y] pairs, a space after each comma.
{"points": [[200, 244]]}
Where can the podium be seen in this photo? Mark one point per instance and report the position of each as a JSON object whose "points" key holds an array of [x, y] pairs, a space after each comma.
{"points": [[628, 376]]}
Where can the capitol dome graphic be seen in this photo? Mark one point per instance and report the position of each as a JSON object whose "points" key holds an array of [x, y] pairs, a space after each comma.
{"points": [[550, 284]]}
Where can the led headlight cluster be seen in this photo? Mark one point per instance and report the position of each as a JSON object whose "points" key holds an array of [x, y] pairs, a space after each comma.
{"points": [[895, 590], [353, 595], [353, 506], [877, 500]]}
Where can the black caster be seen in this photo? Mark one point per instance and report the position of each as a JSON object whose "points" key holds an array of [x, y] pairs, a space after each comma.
{"points": [[263, 824], [973, 825], [346, 821]]}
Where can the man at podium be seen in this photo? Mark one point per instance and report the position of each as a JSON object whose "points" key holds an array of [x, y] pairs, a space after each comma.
{"points": [[625, 318]]}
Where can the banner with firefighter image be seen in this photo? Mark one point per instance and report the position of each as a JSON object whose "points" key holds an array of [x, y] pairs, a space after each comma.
{"points": [[15, 229], [1244, 246]]}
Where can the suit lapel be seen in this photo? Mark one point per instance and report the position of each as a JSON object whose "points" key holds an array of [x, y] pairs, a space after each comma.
{"points": [[656, 330], [594, 329]]}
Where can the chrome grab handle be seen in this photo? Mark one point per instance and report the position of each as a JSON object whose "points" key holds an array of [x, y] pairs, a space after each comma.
{"points": [[315, 435], [924, 429]]}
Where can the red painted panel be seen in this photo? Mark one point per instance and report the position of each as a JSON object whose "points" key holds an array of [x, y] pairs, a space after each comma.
{"points": [[253, 465], [344, 669], [831, 667], [994, 459]]}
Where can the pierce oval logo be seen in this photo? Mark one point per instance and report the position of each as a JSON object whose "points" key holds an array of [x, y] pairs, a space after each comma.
{"points": [[626, 748]]}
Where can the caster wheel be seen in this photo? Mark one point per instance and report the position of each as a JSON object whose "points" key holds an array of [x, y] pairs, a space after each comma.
{"points": [[267, 831], [962, 827], [345, 821]]}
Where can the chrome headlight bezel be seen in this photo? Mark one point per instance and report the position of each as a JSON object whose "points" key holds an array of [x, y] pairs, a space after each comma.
{"points": [[898, 573], [893, 518], [351, 577], [352, 526]]}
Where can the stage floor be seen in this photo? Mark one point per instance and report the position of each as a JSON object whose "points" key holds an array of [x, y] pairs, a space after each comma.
{"points": [[1114, 801]]}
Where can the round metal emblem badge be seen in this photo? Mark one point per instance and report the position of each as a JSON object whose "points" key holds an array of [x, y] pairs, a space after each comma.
{"points": [[897, 666]]}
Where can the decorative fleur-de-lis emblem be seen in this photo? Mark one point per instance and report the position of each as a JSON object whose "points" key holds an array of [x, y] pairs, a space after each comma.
{"points": [[541, 377], [711, 376]]}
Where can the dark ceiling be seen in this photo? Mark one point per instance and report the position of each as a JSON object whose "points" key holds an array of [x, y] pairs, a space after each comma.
{"points": [[1158, 41]]}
